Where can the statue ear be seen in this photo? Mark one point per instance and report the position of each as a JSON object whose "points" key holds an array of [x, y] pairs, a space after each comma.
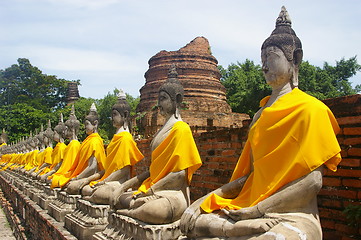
{"points": [[297, 56], [126, 114], [179, 98], [96, 122]]}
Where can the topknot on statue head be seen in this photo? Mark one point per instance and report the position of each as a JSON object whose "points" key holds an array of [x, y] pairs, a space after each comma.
{"points": [[122, 105], [173, 86], [92, 117], [285, 38]]}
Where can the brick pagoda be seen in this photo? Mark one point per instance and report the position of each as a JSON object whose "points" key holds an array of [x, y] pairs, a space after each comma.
{"points": [[204, 106]]}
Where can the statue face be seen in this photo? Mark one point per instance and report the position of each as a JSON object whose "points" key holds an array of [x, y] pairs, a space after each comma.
{"points": [[89, 127], [165, 104], [117, 118], [56, 136], [275, 66]]}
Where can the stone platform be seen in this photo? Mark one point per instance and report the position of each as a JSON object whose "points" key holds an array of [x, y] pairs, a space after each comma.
{"points": [[63, 205], [87, 219], [126, 228]]}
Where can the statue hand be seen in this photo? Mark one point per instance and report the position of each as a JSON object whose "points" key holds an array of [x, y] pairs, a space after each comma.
{"points": [[188, 219], [98, 184], [244, 213]]}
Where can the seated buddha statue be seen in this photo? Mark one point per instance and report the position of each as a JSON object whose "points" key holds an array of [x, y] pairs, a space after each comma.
{"points": [[161, 195], [72, 125], [57, 154], [122, 153], [89, 162], [272, 192]]}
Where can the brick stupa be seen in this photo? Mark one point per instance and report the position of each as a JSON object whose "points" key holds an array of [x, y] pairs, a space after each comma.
{"points": [[204, 105]]}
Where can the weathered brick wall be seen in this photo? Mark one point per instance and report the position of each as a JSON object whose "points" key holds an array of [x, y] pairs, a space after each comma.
{"points": [[343, 187], [221, 149]]}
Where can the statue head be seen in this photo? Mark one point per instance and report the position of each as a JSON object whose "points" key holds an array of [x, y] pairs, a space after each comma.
{"points": [[59, 130], [121, 111], [91, 120], [173, 89], [3, 137], [72, 124], [48, 134], [284, 38]]}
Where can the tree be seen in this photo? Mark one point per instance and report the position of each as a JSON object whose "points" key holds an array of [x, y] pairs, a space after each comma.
{"points": [[246, 86], [24, 83], [20, 119], [329, 81]]}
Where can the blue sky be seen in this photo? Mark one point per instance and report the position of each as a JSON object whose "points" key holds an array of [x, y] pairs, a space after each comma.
{"points": [[107, 43]]}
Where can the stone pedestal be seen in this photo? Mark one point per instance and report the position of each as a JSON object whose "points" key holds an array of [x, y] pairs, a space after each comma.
{"points": [[63, 205], [47, 196], [35, 191], [123, 227], [87, 219]]}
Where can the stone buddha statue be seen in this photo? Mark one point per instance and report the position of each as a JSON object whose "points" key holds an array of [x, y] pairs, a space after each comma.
{"points": [[273, 189], [122, 153], [44, 156], [3, 138], [72, 125], [89, 163], [161, 195], [57, 154]]}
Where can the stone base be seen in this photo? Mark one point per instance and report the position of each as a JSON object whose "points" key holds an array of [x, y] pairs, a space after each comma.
{"points": [[126, 228], [87, 219], [63, 205]]}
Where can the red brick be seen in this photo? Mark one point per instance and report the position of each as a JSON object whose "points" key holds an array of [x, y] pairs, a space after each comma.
{"points": [[359, 196], [345, 228], [356, 183], [331, 214], [352, 131], [349, 194], [351, 162], [229, 152], [344, 173], [327, 181], [349, 120], [330, 203], [328, 224], [352, 141], [354, 152]]}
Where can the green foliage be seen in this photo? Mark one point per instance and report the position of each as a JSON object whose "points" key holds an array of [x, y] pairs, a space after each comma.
{"points": [[353, 215], [329, 81], [24, 83], [20, 118], [245, 84]]}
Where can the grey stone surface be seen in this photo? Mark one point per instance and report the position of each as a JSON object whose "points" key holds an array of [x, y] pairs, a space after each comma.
{"points": [[5, 229]]}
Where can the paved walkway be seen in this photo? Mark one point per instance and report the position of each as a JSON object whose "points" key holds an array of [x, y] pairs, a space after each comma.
{"points": [[5, 230]]}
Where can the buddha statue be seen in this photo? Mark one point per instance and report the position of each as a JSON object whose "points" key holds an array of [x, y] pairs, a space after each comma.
{"points": [[89, 162], [272, 192], [57, 154], [162, 193], [44, 159], [122, 153], [72, 125], [3, 139]]}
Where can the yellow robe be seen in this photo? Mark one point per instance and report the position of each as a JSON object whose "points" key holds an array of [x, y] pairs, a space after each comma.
{"points": [[290, 139], [44, 157], [177, 152], [70, 153], [122, 151], [91, 146], [31, 159], [56, 157]]}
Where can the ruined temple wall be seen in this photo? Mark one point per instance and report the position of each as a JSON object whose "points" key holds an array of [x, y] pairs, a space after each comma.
{"points": [[221, 149]]}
